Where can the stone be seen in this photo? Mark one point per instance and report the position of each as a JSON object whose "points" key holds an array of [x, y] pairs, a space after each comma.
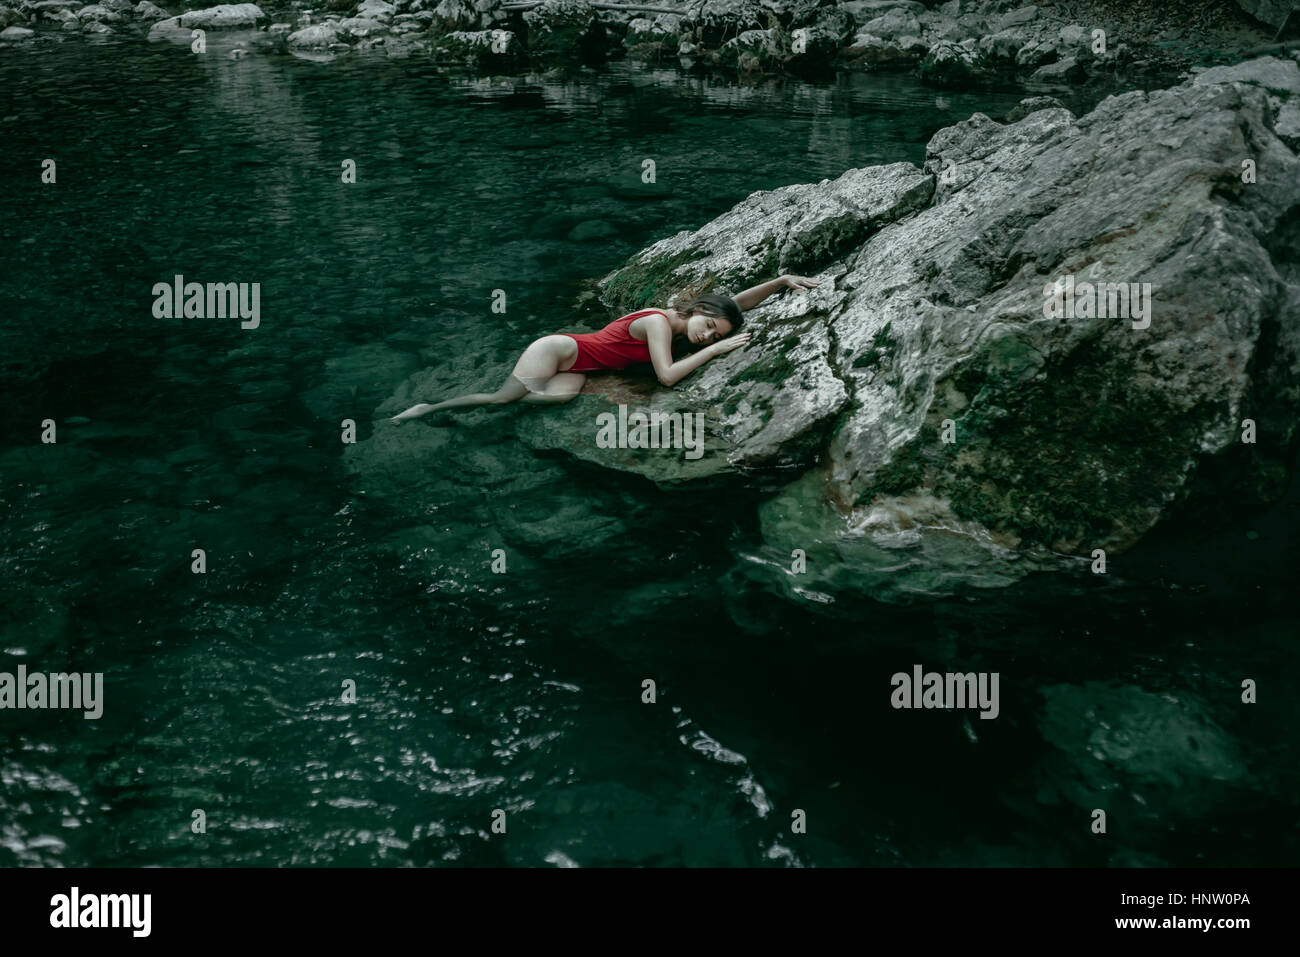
{"points": [[1018, 17], [1062, 71], [933, 318], [892, 25], [315, 37]]}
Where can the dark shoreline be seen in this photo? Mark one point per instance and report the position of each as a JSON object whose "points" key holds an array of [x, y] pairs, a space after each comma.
{"points": [[958, 44]]}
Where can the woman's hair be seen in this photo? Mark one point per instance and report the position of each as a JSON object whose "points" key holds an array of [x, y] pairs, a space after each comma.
{"points": [[720, 307]]}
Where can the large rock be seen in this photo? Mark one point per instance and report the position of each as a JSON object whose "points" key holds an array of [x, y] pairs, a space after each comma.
{"points": [[468, 15], [226, 16], [99, 13], [223, 16], [317, 36], [663, 28], [712, 22], [932, 363], [952, 65], [149, 12], [894, 24], [479, 50], [751, 50], [380, 10], [771, 415]]}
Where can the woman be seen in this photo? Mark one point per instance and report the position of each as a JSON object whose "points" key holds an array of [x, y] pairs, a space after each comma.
{"points": [[554, 368]]}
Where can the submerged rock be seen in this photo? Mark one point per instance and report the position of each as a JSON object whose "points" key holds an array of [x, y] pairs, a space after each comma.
{"points": [[1123, 747], [904, 549], [938, 356]]}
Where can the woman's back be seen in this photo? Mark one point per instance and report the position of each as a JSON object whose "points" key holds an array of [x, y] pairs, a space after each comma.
{"points": [[613, 347]]}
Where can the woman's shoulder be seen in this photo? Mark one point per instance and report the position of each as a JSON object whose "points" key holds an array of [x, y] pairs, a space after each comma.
{"points": [[644, 318]]}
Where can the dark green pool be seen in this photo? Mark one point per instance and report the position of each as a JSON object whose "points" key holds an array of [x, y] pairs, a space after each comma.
{"points": [[520, 692]]}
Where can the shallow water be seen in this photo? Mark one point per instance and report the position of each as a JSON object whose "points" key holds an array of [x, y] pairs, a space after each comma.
{"points": [[520, 691]]}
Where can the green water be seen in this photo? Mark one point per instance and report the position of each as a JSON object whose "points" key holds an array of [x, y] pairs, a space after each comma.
{"points": [[522, 691]]}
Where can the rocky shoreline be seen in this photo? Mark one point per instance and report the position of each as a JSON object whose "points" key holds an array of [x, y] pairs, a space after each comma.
{"points": [[955, 43]]}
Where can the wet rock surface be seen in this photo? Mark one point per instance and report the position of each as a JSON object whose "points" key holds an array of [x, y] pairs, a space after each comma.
{"points": [[937, 356]]}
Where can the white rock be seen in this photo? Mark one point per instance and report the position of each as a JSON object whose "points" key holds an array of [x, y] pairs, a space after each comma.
{"points": [[314, 37], [376, 10]]}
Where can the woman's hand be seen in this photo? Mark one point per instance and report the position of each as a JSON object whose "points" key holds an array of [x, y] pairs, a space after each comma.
{"points": [[723, 346], [799, 282]]}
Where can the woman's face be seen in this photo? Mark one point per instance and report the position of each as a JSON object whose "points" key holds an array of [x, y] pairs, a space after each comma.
{"points": [[702, 329]]}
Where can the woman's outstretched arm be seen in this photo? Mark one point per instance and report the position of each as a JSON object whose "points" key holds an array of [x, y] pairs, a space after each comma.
{"points": [[659, 336], [752, 297]]}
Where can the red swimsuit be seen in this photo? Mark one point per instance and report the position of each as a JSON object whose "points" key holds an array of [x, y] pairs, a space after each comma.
{"points": [[611, 348]]}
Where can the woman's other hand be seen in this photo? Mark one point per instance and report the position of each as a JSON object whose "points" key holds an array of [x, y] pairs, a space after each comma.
{"points": [[800, 282], [723, 346]]}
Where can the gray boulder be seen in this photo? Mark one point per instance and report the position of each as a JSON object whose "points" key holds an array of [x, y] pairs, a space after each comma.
{"points": [[477, 49], [99, 13], [713, 22], [772, 417], [1062, 71], [932, 360], [225, 16], [149, 12], [317, 36], [894, 24], [380, 10], [1033, 104], [1018, 17], [468, 15]]}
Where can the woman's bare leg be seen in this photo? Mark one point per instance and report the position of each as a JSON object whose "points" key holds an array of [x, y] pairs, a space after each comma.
{"points": [[531, 381], [511, 390], [560, 387]]}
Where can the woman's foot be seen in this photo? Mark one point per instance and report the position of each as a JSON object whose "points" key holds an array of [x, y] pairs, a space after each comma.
{"points": [[413, 412]]}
